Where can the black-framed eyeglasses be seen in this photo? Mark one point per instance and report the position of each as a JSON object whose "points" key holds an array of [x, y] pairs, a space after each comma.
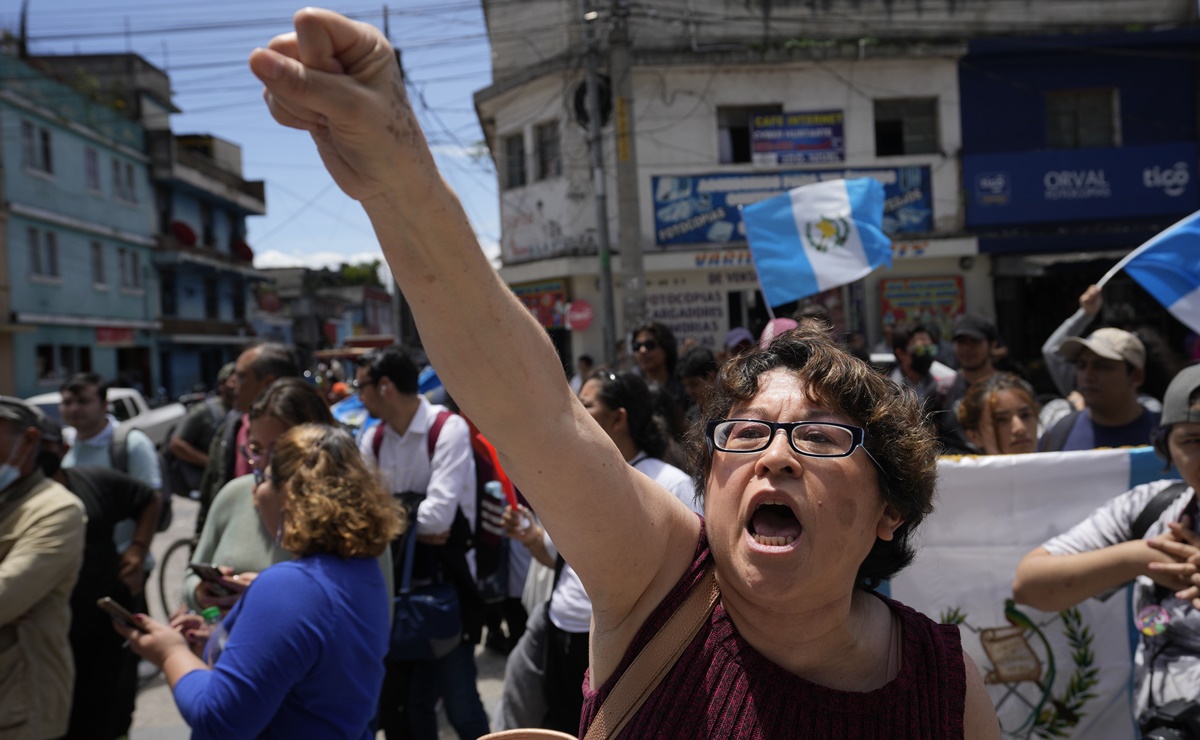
{"points": [[649, 345], [356, 384], [809, 438], [252, 455]]}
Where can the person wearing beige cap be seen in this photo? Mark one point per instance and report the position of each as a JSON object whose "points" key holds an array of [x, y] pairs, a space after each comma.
{"points": [[41, 548], [1110, 366]]}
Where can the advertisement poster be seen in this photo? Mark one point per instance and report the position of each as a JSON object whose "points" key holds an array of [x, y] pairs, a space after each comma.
{"points": [[546, 301], [703, 209], [813, 137], [932, 301], [1080, 184]]}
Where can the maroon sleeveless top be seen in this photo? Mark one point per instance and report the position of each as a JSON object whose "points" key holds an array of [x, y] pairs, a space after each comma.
{"points": [[723, 688]]}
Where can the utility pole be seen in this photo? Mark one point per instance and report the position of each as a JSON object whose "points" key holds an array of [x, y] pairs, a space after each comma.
{"points": [[596, 146], [628, 213]]}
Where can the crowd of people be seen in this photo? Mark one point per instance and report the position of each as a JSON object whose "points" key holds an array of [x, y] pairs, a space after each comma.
{"points": [[650, 505]]}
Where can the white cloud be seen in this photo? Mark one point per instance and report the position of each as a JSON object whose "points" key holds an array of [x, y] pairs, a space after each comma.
{"points": [[454, 151], [314, 260]]}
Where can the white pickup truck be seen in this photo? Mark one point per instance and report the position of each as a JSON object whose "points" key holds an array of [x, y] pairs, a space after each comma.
{"points": [[128, 407]]}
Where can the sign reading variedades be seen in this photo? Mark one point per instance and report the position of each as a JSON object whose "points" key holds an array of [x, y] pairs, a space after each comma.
{"points": [[798, 138], [703, 209], [1080, 184]]}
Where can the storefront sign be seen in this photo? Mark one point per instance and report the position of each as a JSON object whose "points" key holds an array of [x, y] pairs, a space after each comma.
{"points": [[1080, 184], [579, 315], [798, 138], [933, 301], [111, 336], [703, 209], [546, 301]]}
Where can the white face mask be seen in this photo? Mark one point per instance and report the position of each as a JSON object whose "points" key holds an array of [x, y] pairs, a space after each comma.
{"points": [[10, 473]]}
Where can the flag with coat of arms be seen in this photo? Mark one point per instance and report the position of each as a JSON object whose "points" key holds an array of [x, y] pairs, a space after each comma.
{"points": [[816, 237]]}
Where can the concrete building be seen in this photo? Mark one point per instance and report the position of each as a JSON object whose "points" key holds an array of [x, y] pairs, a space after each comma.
{"points": [[200, 201], [77, 238], [730, 103]]}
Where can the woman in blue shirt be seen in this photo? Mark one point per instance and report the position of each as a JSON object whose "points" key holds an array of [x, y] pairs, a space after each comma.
{"points": [[301, 654]]}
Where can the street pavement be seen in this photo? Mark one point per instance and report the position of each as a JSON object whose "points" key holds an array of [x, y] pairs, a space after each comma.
{"points": [[157, 718]]}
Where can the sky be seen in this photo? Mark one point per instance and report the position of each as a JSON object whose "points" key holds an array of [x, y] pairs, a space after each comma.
{"points": [[203, 45]]}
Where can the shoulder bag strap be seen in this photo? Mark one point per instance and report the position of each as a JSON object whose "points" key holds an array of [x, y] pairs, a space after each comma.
{"points": [[1155, 508], [655, 660], [1056, 437]]}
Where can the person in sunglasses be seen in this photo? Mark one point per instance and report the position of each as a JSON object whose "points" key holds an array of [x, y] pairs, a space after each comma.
{"points": [[234, 538], [657, 355], [815, 471], [301, 654]]}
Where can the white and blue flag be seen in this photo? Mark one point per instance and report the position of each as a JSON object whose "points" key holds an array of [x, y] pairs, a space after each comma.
{"points": [[1168, 267], [817, 237]]}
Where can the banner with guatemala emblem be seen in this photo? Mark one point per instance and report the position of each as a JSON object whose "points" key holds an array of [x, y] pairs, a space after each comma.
{"points": [[817, 237], [1049, 675]]}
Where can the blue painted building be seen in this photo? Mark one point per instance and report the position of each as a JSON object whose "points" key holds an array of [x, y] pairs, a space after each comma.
{"points": [[1076, 149], [78, 238], [199, 202]]}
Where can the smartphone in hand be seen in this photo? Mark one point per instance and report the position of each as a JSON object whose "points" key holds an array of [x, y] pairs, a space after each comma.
{"points": [[211, 574], [120, 613]]}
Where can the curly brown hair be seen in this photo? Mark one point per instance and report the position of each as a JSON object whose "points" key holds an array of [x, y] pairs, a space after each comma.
{"points": [[334, 503], [979, 395], [904, 447]]}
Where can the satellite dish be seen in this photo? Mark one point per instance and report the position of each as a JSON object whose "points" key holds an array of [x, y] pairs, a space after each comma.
{"points": [[606, 106]]}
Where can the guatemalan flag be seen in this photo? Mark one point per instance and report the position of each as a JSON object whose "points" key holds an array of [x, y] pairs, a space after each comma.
{"points": [[817, 237], [1168, 267]]}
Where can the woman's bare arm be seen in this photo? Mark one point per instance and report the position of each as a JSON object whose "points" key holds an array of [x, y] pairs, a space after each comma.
{"points": [[338, 79]]}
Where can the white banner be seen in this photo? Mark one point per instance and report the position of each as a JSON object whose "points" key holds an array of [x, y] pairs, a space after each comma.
{"points": [[1049, 675]]}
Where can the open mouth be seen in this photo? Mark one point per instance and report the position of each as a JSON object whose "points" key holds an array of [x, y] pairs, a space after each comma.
{"points": [[774, 525]]}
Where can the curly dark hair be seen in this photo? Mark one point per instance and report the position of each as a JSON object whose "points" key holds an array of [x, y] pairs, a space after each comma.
{"points": [[335, 503], [904, 448]]}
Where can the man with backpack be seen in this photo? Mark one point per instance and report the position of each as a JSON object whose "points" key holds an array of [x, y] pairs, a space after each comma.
{"points": [[425, 455], [186, 455], [97, 440]]}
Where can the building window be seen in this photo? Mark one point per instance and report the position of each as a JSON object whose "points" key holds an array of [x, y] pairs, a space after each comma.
{"points": [[129, 265], [131, 193], [549, 154], [208, 231], [166, 282], [239, 300], [91, 168], [99, 279], [733, 131], [514, 161], [124, 185], [43, 253], [36, 150], [210, 298], [1082, 119], [906, 126], [55, 363]]}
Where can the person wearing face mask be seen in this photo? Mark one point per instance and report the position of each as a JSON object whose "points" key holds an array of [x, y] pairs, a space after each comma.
{"points": [[933, 382], [41, 548]]}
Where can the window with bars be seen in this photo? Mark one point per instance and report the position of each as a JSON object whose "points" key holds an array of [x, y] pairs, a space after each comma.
{"points": [[43, 253], [36, 148], [549, 150], [734, 129], [99, 278], [91, 169], [1082, 119], [514, 161], [906, 126]]}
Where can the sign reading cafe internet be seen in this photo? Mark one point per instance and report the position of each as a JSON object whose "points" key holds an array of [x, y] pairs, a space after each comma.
{"points": [[703, 209]]}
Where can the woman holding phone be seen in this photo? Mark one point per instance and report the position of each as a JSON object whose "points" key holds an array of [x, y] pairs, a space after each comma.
{"points": [[305, 643]]}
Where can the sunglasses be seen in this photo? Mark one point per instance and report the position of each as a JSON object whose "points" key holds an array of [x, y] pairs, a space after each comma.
{"points": [[649, 345]]}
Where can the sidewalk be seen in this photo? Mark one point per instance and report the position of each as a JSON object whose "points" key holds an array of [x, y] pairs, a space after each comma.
{"points": [[157, 718]]}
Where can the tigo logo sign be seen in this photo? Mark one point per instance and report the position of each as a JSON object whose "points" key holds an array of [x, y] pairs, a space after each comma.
{"points": [[1173, 180]]}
